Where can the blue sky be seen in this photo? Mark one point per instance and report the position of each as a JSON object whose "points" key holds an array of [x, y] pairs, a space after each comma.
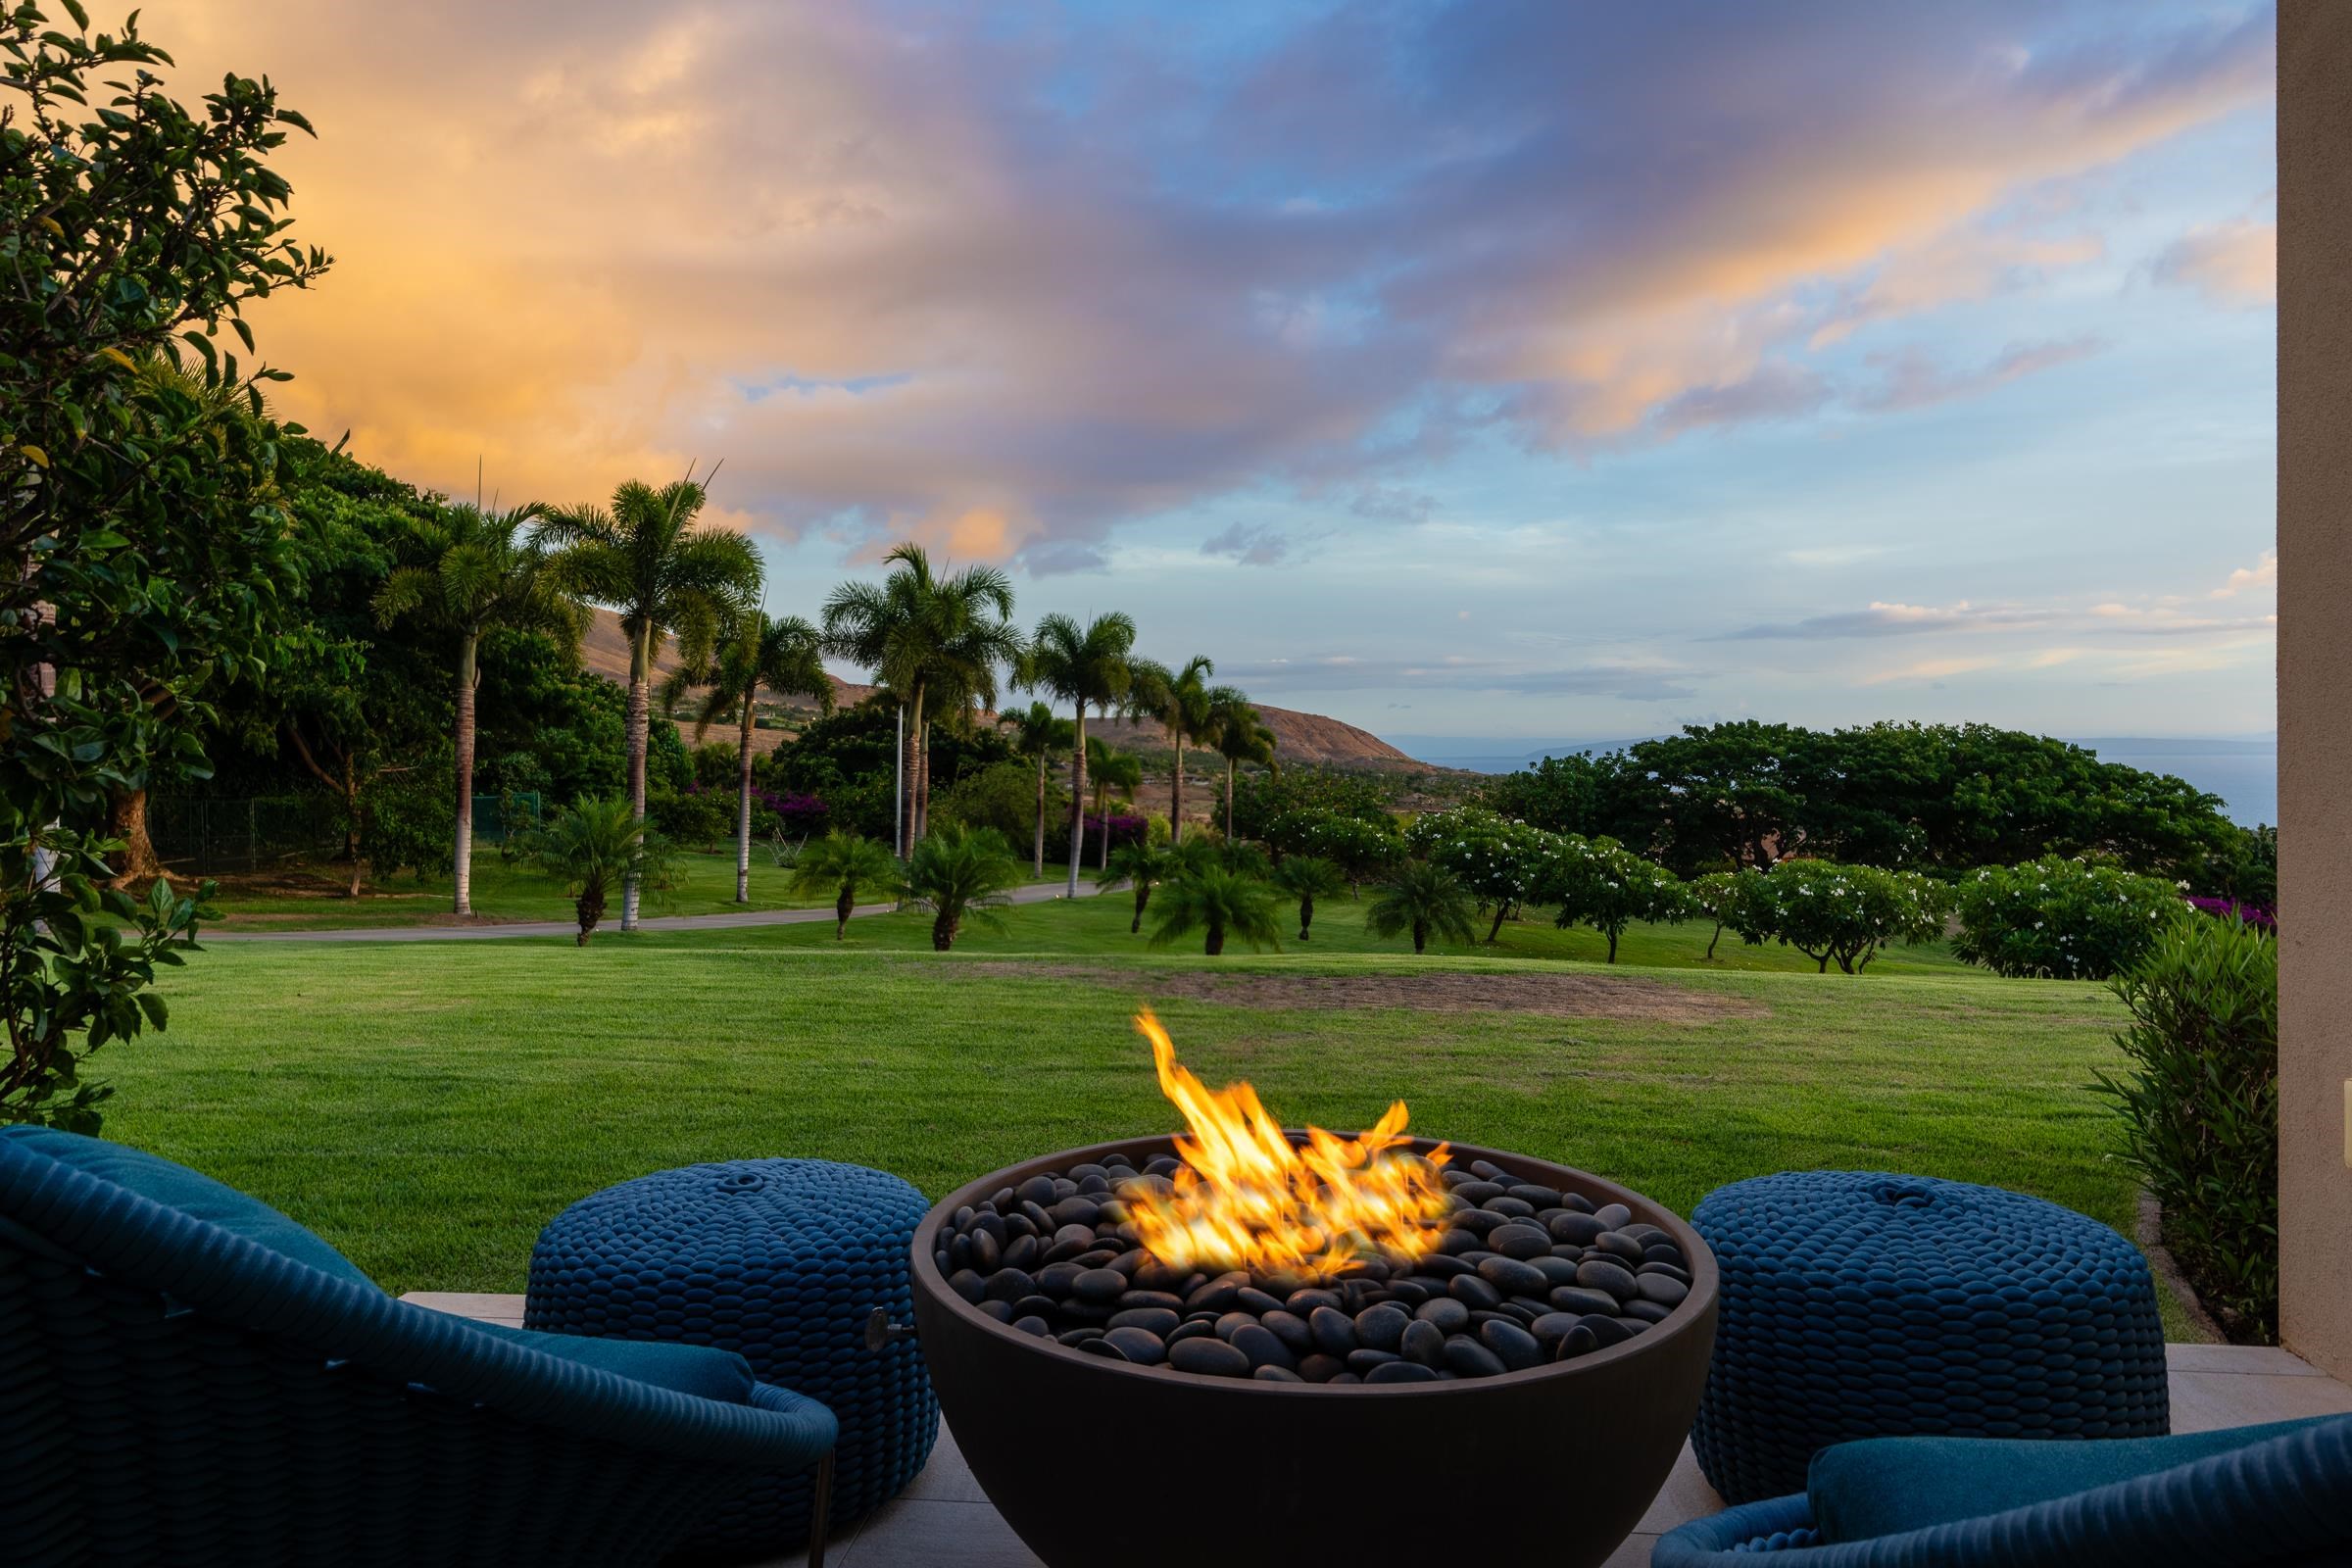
{"points": [[1497, 369]]}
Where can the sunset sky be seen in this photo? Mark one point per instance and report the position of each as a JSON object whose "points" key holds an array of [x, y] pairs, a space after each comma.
{"points": [[1501, 369]]}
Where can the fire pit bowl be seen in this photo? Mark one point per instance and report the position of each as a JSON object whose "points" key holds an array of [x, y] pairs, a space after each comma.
{"points": [[1095, 1462]]}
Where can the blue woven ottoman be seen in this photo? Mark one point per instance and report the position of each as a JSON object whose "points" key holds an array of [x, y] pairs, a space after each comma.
{"points": [[782, 1261], [1860, 1304]]}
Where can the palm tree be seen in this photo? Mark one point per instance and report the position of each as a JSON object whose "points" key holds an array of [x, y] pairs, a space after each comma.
{"points": [[841, 864], [1426, 899], [755, 651], [1038, 732], [644, 558], [1180, 700], [1226, 903], [593, 845], [478, 571], [1239, 736], [931, 638], [1307, 878], [959, 873], [1143, 867], [1109, 768], [1080, 666]]}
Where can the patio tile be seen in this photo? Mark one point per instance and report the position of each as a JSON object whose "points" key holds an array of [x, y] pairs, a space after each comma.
{"points": [[1685, 1497], [946, 1478], [1632, 1551], [2266, 1359], [2205, 1400], [483, 1306], [937, 1535]]}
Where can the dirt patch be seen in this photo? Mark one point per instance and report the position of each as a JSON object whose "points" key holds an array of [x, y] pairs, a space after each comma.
{"points": [[1555, 996]]}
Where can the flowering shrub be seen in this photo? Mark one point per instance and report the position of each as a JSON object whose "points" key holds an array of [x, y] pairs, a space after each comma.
{"points": [[1735, 901], [2063, 919], [1609, 887], [2260, 917], [1829, 910], [1501, 861], [1361, 850]]}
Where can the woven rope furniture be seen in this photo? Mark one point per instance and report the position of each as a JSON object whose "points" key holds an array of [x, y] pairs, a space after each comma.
{"points": [[1861, 1305], [189, 1378], [783, 1261]]}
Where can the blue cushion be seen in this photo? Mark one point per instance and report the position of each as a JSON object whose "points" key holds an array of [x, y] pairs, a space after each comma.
{"points": [[198, 1197], [695, 1369], [1887, 1485]]}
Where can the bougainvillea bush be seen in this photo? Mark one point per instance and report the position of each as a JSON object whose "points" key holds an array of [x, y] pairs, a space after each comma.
{"points": [[1603, 884], [2259, 915], [1501, 862], [2062, 920]]}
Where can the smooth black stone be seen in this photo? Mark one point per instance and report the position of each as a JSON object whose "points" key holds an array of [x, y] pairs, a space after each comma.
{"points": [[1101, 1285], [1022, 1251], [1440, 1266], [1568, 1251], [1596, 1274], [1190, 1331], [1509, 1207], [1519, 1241], [1088, 1311], [1065, 1250], [1074, 1211], [991, 1226], [1450, 1315], [1275, 1374], [1551, 1329], [943, 1261], [1454, 1244], [960, 1253], [1472, 1360], [1423, 1342], [1623, 1247], [1076, 1337], [1578, 1301], [1037, 1190], [1159, 1299], [1541, 1196], [1303, 1303], [1321, 1368], [1642, 1231], [1472, 1290], [1127, 1262], [1581, 1229], [1655, 1250], [1100, 1258], [1231, 1323], [1578, 1201], [1412, 1292], [1161, 1280], [1607, 1330], [1008, 1285], [1369, 1268], [1401, 1372], [1139, 1346], [1613, 1215], [1263, 1346], [1366, 1360], [1033, 1325], [1578, 1340], [1648, 1311], [1515, 1347], [965, 1217], [968, 1285], [1662, 1289], [1002, 1311], [1017, 1226], [1494, 1173], [1156, 1320], [1083, 1169], [1291, 1329], [1038, 1219], [1520, 1310], [1476, 1221], [1093, 1186], [1250, 1298], [1218, 1295], [1103, 1347], [998, 1202], [1208, 1358], [1514, 1278], [1334, 1331], [1555, 1270], [1347, 1377], [1162, 1165], [1381, 1328], [1475, 1193], [1632, 1324], [1033, 1306], [1667, 1270], [1057, 1279]]}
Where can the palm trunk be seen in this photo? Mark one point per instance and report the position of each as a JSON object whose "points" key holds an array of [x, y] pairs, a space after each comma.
{"points": [[1176, 796], [1078, 803], [460, 858], [842, 908], [922, 781], [1420, 936], [914, 746], [1143, 896], [1307, 915], [943, 932], [641, 660], [1214, 947], [742, 804], [1038, 864], [1229, 769], [1102, 815]]}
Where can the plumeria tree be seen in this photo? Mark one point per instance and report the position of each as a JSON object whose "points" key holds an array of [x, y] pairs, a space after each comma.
{"points": [[1847, 913], [2061, 918], [1601, 883], [1501, 862]]}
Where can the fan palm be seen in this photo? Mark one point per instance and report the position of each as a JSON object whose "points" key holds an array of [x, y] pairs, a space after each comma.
{"points": [[842, 863], [1143, 867], [960, 873], [643, 557], [1220, 903], [1109, 768], [474, 572], [1179, 699], [1239, 735], [1307, 878], [1038, 732], [935, 640], [1080, 666], [1425, 900], [592, 845], [755, 651]]}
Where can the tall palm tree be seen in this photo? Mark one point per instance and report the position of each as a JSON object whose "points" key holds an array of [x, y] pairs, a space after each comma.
{"points": [[933, 638], [1239, 736], [1426, 899], [755, 651], [1179, 699], [1110, 768], [643, 557], [1038, 732], [476, 570], [1081, 667]]}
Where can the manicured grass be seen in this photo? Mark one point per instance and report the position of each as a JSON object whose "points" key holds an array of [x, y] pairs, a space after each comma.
{"points": [[429, 1106]]}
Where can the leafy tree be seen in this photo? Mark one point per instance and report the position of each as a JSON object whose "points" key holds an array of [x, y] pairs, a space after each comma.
{"points": [[1607, 887], [755, 651], [1039, 735], [1424, 899], [1143, 867], [1239, 736], [935, 641], [1219, 903], [1307, 878], [592, 845], [473, 571], [848, 758], [556, 727], [842, 863], [1109, 768], [1501, 861], [1361, 849], [2062, 918], [1737, 899], [1576, 794], [960, 873], [1317, 792], [1828, 910], [1180, 700], [1080, 666], [643, 557]]}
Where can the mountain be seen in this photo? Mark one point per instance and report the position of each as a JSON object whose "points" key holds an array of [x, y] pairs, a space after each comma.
{"points": [[1309, 738]]}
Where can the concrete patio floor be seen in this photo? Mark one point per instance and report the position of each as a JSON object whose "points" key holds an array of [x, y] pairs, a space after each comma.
{"points": [[944, 1520]]}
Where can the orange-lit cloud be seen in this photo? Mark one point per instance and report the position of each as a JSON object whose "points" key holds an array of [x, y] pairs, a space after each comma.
{"points": [[2235, 263]]}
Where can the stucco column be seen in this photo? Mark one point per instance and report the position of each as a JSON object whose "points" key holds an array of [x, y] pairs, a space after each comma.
{"points": [[2315, 677]]}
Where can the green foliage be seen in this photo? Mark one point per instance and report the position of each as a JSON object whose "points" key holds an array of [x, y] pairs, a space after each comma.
{"points": [[1826, 910], [405, 820], [1501, 861], [2244, 868], [535, 702], [843, 865], [1573, 793], [1426, 899], [1142, 867], [1363, 849], [958, 874], [1261, 798], [1607, 887], [2200, 1109], [1002, 796], [1222, 904], [593, 846], [1307, 878], [699, 817], [846, 759], [2062, 920]]}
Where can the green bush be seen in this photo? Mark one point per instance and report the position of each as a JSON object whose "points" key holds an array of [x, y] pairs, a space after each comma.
{"points": [[2062, 920], [700, 817], [2200, 1109], [1827, 910], [1363, 849]]}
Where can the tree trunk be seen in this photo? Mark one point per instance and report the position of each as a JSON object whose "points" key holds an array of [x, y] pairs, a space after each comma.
{"points": [[351, 809], [943, 932], [743, 803], [590, 906], [1711, 941], [922, 781], [1502, 908], [1229, 766], [1612, 946], [842, 908], [1216, 939], [1077, 802], [1143, 896], [1420, 937], [1102, 815], [1306, 915], [137, 862], [1176, 796], [914, 745], [1038, 861], [641, 660], [460, 853]]}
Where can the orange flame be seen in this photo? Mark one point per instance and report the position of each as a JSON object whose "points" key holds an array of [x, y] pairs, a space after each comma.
{"points": [[1246, 1197]]}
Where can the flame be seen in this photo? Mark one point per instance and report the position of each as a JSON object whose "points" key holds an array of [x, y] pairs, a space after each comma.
{"points": [[1248, 1198]]}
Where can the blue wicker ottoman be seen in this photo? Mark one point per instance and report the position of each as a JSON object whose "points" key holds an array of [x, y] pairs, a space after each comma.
{"points": [[1860, 1304], [782, 1261]]}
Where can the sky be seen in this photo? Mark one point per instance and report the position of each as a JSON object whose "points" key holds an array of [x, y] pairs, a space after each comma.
{"points": [[1499, 368]]}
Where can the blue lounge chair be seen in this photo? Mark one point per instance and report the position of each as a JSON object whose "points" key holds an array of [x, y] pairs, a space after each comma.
{"points": [[2277, 1496], [189, 1377]]}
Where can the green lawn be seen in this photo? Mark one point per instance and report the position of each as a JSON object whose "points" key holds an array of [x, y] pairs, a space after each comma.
{"points": [[429, 1106]]}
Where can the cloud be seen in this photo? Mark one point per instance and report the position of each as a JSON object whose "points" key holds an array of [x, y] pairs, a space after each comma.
{"points": [[1914, 382], [2264, 574], [1252, 544], [2233, 264], [1631, 680], [1929, 669], [1899, 621]]}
